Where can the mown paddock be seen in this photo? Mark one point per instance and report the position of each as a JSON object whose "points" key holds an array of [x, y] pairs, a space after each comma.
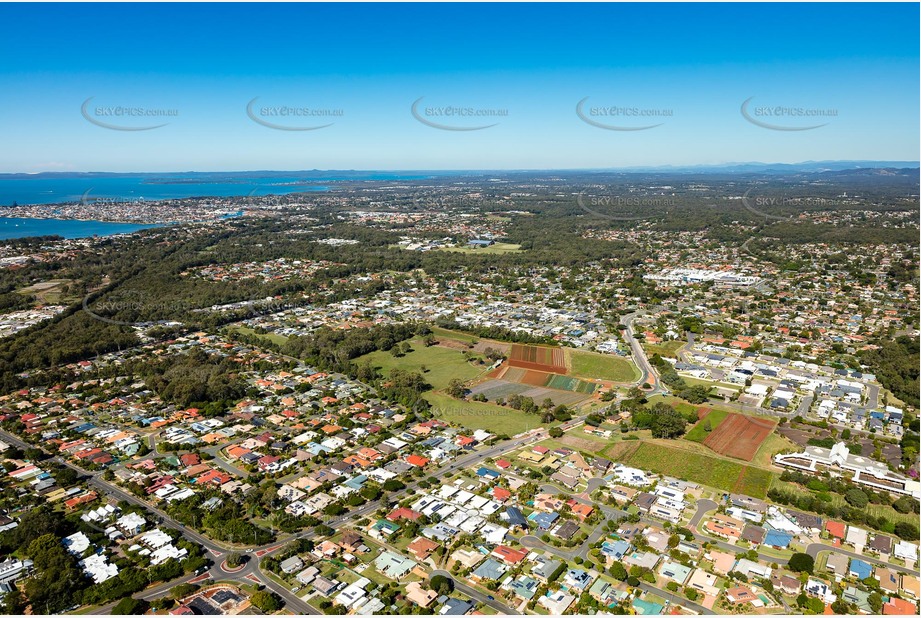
{"points": [[739, 436], [698, 432], [596, 366], [699, 468]]}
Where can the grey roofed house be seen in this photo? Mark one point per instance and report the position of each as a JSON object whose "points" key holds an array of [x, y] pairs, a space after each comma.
{"points": [[545, 569], [515, 517], [567, 530], [324, 586], [398, 466], [837, 563], [490, 569], [455, 607], [644, 501], [881, 544], [43, 486], [341, 466], [806, 520], [753, 534], [747, 502], [565, 479], [308, 575], [292, 564], [601, 463]]}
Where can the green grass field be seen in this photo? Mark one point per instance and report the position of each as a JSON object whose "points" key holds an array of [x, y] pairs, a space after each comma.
{"points": [[453, 334], [274, 338], [496, 248], [666, 348], [477, 415], [591, 365], [442, 364], [698, 432], [699, 468], [773, 444]]}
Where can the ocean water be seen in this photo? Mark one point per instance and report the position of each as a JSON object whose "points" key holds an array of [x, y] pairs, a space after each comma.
{"points": [[55, 189], [25, 189], [11, 227]]}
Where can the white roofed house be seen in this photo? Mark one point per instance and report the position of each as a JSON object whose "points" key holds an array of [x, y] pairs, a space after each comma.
{"points": [[838, 460], [856, 537], [906, 551], [290, 494], [99, 568], [77, 543], [131, 524]]}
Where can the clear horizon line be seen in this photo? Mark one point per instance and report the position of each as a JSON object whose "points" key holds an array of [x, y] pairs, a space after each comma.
{"points": [[866, 162]]}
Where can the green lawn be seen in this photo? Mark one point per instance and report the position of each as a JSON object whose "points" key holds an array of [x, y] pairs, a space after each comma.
{"points": [[273, 337], [495, 248], [666, 348], [773, 444], [698, 432], [477, 415], [592, 365], [442, 364], [453, 334], [699, 468]]}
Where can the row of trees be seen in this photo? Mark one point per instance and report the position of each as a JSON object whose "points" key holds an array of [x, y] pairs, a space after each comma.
{"points": [[692, 394]]}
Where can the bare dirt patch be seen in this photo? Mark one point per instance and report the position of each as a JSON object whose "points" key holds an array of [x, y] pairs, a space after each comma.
{"points": [[739, 436]]}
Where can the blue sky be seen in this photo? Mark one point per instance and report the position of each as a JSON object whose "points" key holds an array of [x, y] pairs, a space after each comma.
{"points": [[856, 63]]}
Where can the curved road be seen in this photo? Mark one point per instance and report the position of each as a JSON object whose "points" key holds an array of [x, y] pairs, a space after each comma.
{"points": [[251, 572], [475, 594], [639, 357]]}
